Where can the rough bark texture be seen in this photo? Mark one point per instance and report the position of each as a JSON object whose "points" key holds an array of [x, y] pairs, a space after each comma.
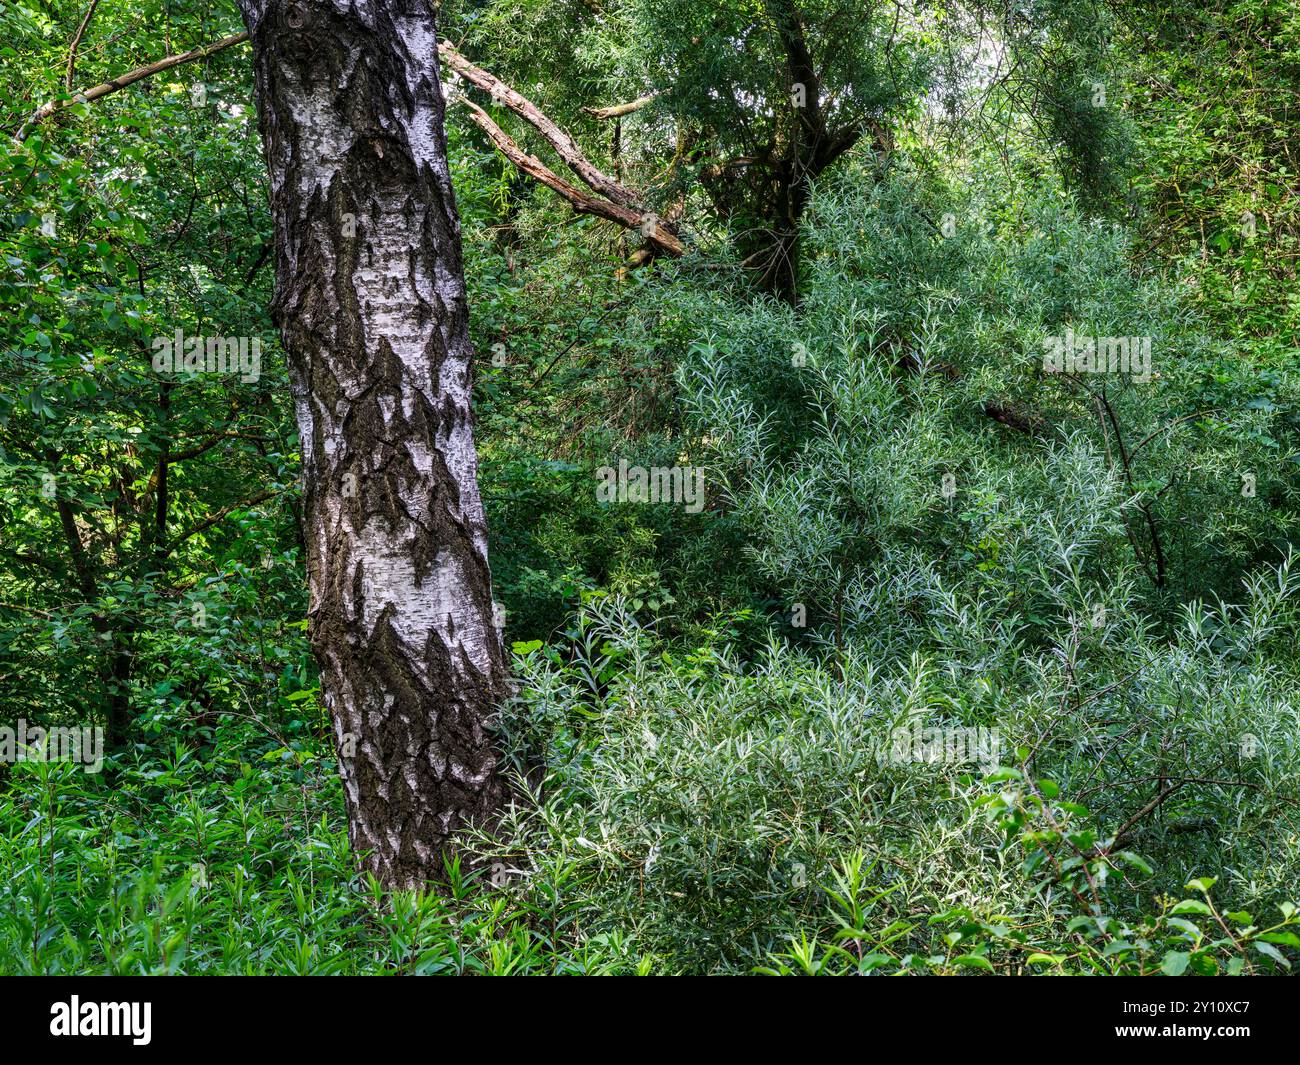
{"points": [[370, 300]]}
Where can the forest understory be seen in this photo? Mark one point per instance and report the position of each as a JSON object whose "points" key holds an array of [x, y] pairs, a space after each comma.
{"points": [[881, 421]]}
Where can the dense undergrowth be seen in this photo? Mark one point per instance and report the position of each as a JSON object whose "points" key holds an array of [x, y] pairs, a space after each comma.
{"points": [[698, 815], [706, 756]]}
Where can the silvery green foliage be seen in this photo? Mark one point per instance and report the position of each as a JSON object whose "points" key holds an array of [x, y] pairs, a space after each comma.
{"points": [[952, 568], [700, 800], [860, 421]]}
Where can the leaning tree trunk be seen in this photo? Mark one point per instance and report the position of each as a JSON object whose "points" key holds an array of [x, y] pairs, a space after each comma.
{"points": [[370, 301]]}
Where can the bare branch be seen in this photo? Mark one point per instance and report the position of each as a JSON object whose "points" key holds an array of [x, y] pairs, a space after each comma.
{"points": [[129, 78], [582, 202], [557, 138], [75, 44], [619, 110]]}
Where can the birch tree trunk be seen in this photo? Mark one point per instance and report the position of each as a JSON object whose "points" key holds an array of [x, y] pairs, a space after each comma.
{"points": [[370, 301]]}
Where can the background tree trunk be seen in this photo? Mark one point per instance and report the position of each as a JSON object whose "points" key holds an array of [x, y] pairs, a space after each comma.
{"points": [[370, 301]]}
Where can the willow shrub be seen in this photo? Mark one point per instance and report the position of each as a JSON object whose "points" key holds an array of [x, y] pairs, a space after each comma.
{"points": [[1083, 573]]}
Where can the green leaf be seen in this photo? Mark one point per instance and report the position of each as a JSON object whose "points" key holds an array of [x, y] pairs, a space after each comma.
{"points": [[1186, 926], [1271, 951], [1175, 963], [1138, 862], [1289, 939], [974, 961], [1003, 773]]}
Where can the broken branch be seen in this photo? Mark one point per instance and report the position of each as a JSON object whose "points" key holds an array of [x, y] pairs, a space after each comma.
{"points": [[619, 110], [582, 202], [563, 144]]}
